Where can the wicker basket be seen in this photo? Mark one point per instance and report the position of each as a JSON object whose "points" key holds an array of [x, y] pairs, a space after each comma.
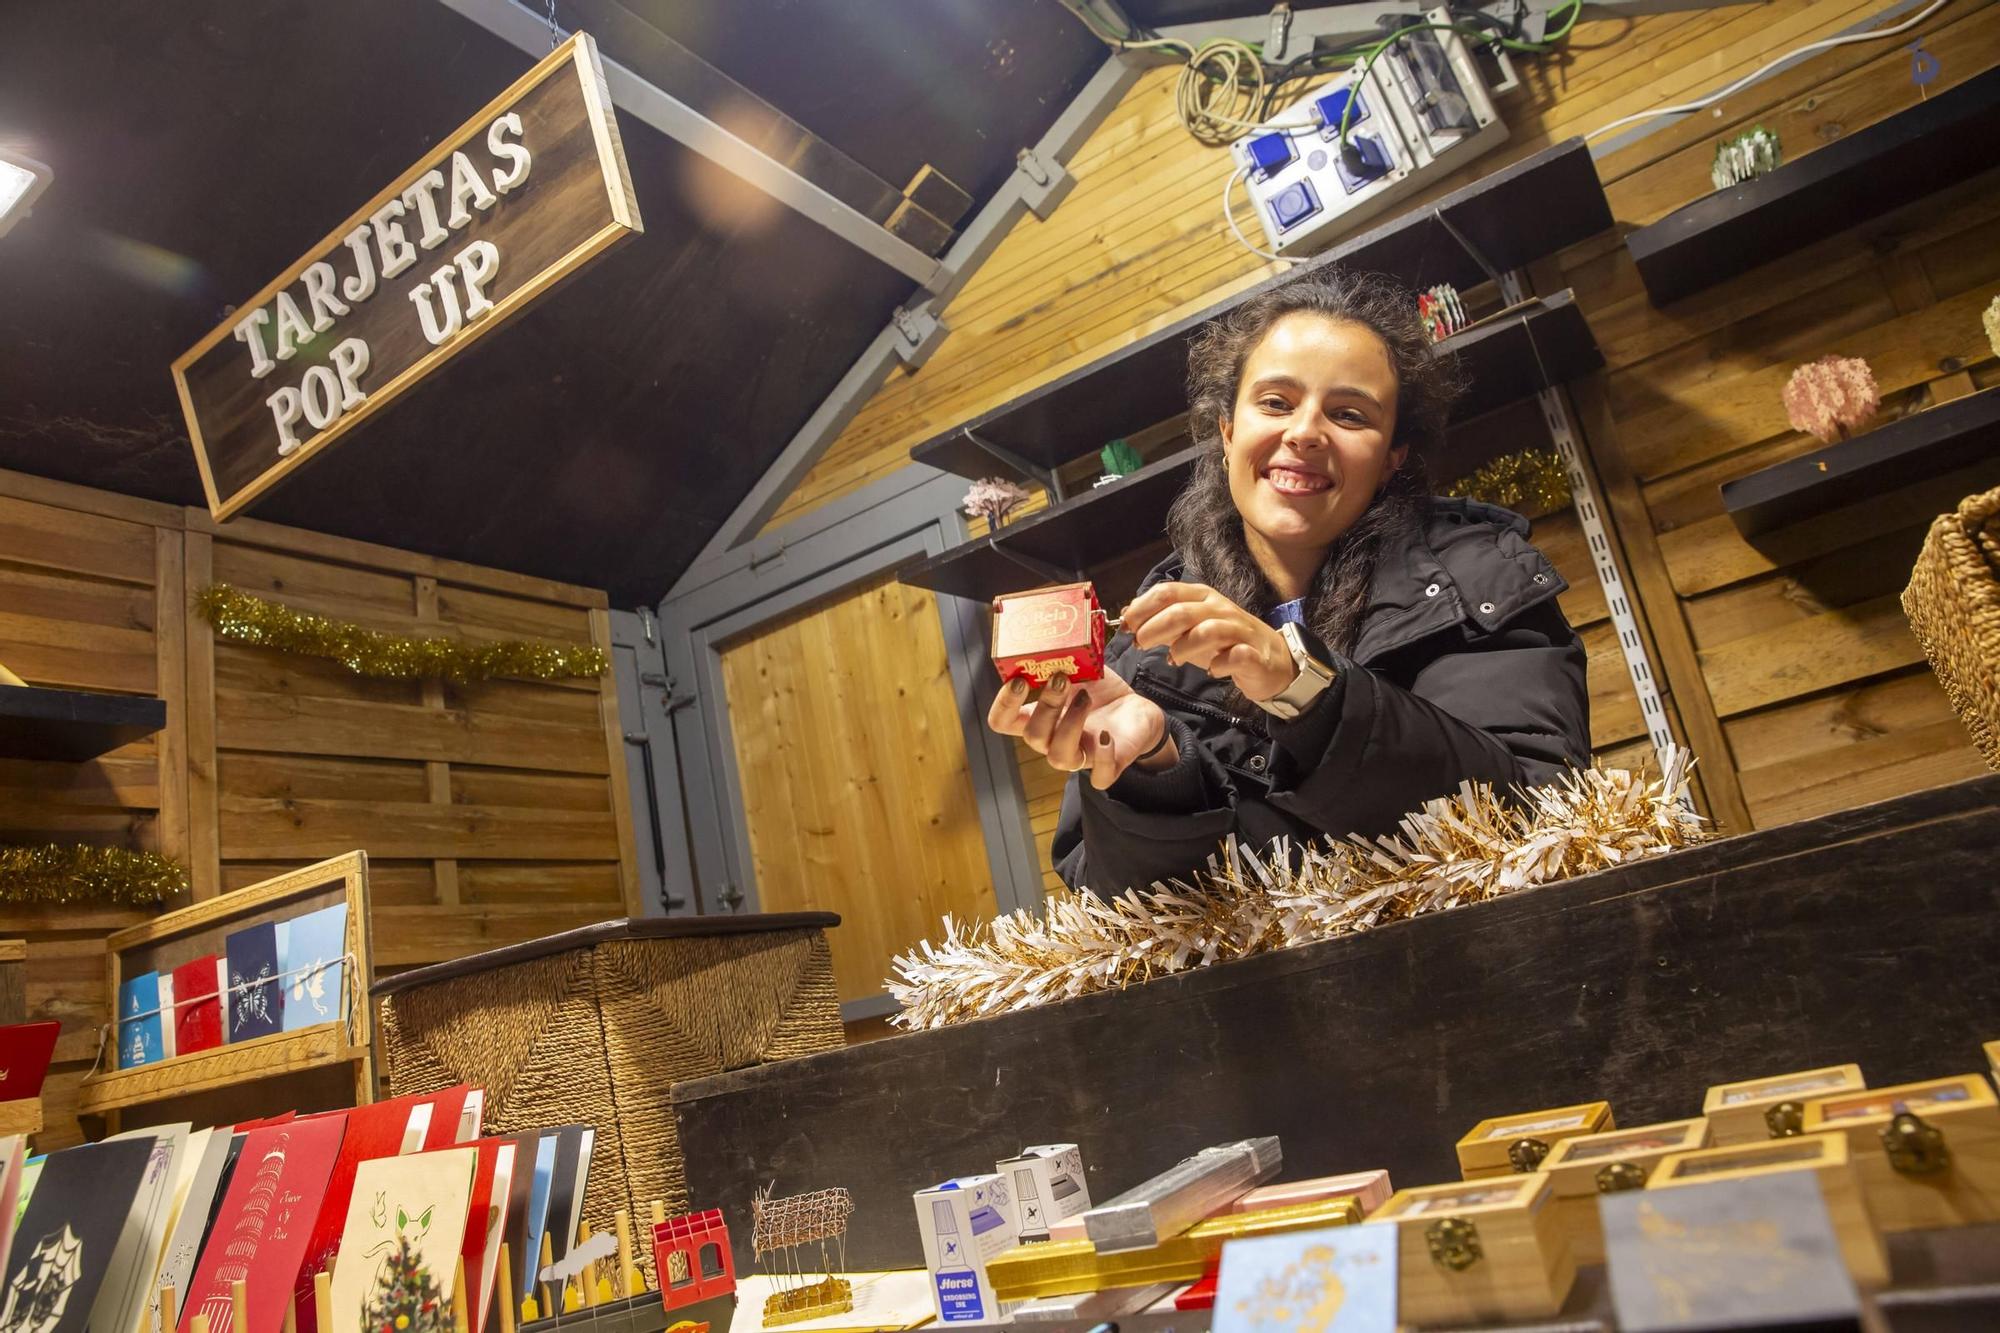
{"points": [[1953, 603], [596, 1026]]}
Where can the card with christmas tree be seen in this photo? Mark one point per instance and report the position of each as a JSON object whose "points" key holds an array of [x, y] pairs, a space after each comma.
{"points": [[401, 1125], [139, 1021], [402, 1241], [265, 1221], [63, 1246]]}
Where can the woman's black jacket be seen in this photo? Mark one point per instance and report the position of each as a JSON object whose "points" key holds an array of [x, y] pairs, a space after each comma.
{"points": [[1464, 668]]}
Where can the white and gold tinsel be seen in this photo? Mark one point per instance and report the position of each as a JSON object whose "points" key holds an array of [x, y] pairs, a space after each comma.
{"points": [[1455, 851]]}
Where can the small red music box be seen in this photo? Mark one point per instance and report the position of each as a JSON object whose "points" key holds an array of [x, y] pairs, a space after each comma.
{"points": [[1049, 632]]}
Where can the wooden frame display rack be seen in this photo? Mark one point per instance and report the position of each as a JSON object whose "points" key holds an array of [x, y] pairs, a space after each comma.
{"points": [[180, 937]]}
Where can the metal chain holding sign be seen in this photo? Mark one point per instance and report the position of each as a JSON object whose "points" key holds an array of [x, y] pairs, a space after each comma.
{"points": [[555, 33]]}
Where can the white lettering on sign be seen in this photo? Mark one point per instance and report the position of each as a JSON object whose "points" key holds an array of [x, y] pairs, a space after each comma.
{"points": [[454, 295]]}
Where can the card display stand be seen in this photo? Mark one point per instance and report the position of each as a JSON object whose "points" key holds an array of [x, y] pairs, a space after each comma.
{"points": [[595, 1026], [326, 1064]]}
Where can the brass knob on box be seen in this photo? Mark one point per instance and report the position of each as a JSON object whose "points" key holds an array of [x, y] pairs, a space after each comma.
{"points": [[1616, 1177], [1785, 1120], [1915, 1148], [1454, 1243], [1527, 1154]]}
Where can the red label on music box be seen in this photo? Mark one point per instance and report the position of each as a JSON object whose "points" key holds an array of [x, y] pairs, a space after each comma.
{"points": [[1049, 632]]}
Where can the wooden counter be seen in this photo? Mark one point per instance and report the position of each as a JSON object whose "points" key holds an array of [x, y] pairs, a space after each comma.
{"points": [[1870, 935]]}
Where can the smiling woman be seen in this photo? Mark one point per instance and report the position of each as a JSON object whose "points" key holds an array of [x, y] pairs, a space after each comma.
{"points": [[1327, 647]]}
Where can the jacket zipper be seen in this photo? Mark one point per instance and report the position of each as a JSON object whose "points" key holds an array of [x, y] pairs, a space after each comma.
{"points": [[1194, 705]]}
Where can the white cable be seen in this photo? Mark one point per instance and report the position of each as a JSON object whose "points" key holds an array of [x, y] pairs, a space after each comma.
{"points": [[1229, 214], [1748, 79]]}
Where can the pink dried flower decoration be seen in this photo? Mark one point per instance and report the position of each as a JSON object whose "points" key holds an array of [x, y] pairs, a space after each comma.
{"points": [[1832, 398], [993, 498]]}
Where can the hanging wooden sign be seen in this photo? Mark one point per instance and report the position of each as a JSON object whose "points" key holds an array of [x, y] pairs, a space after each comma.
{"points": [[521, 196]]}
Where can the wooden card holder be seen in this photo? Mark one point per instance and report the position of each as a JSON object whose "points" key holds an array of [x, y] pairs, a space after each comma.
{"points": [[1520, 1143], [1827, 1157], [1479, 1251], [1769, 1108], [312, 1053], [1928, 1153], [1992, 1049], [1589, 1165]]}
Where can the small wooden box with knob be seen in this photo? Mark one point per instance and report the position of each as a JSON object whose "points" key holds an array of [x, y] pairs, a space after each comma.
{"points": [[1769, 1108], [1588, 1166], [1928, 1153], [1518, 1143], [1479, 1250], [1826, 1156]]}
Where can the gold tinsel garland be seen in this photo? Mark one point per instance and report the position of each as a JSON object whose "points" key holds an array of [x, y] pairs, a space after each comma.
{"points": [[250, 619], [1534, 482], [55, 875], [1454, 851]]}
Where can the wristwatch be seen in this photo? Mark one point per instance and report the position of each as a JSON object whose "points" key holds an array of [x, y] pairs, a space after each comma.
{"points": [[1311, 682]]}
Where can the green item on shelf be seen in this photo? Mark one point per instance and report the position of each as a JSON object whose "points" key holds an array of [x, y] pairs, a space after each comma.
{"points": [[1120, 458]]}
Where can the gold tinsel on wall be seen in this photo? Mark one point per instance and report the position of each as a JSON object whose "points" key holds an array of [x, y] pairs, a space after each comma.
{"points": [[245, 618], [1453, 852], [54, 875], [1532, 482]]}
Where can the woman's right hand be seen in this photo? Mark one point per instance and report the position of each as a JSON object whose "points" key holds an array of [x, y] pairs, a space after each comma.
{"points": [[1102, 726]]}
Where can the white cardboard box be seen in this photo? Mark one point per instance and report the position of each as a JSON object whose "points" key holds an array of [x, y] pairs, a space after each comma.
{"points": [[1047, 1184], [964, 1223]]}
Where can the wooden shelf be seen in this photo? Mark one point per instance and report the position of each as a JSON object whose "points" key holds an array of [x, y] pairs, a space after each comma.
{"points": [[1928, 444], [23, 1115], [1062, 540], [1512, 216], [72, 725], [219, 1067], [1936, 143], [1507, 358]]}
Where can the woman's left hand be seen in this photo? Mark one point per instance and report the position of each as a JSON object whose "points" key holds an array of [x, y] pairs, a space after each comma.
{"points": [[1200, 627]]}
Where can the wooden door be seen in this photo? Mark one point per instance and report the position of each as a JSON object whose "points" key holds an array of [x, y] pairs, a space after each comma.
{"points": [[856, 788]]}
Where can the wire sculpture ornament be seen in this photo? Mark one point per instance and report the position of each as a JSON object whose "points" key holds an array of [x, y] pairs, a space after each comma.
{"points": [[784, 1229]]}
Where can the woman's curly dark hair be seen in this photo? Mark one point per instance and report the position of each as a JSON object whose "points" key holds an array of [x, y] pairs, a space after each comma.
{"points": [[1204, 525]]}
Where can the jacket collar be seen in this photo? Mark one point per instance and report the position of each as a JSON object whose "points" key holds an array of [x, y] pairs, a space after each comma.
{"points": [[1469, 564]]}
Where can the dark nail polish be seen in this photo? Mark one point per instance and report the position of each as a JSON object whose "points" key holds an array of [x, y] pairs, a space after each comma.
{"points": [[1104, 738], [1082, 699]]}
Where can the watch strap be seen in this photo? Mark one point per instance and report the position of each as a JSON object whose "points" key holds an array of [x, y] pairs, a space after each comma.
{"points": [[1312, 680]]}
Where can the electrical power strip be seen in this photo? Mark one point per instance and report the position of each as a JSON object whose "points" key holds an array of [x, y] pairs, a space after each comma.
{"points": [[1424, 110]]}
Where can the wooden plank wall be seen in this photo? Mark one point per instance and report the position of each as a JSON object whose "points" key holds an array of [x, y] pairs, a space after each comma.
{"points": [[855, 781], [1788, 669], [1800, 642], [492, 813]]}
